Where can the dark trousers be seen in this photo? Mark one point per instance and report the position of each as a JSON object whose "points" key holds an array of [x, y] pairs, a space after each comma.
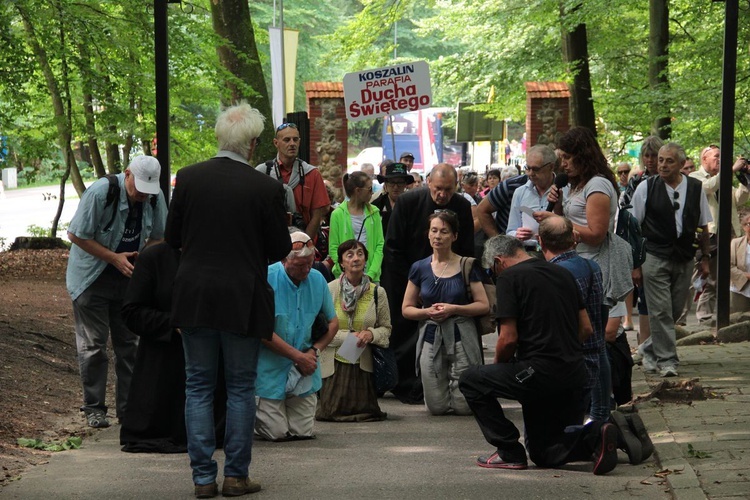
{"points": [[552, 415]]}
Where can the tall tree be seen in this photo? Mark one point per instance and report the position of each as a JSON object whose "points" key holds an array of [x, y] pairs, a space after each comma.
{"points": [[658, 61], [576, 55], [238, 55]]}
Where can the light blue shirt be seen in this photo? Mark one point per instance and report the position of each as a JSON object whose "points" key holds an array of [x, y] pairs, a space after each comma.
{"points": [[296, 309], [89, 222], [525, 196]]}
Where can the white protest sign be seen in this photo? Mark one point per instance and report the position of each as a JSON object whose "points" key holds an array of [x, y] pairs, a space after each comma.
{"points": [[376, 92]]}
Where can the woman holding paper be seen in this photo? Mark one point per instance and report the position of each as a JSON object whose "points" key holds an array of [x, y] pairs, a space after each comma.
{"points": [[436, 297], [348, 392]]}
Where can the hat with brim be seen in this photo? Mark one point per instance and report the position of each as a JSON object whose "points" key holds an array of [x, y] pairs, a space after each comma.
{"points": [[396, 171], [146, 170]]}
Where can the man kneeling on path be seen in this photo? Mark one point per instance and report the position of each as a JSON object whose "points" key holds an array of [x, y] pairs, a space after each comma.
{"points": [[538, 362], [288, 367]]}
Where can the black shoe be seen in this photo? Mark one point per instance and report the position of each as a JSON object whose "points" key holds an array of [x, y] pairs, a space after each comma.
{"points": [[605, 455], [626, 439], [495, 462], [639, 429]]}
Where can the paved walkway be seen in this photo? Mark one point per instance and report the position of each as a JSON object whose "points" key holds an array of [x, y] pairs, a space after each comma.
{"points": [[704, 446], [413, 455]]}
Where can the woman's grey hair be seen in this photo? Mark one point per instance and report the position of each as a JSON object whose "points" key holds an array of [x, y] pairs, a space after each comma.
{"points": [[237, 127], [507, 172], [500, 245], [651, 144]]}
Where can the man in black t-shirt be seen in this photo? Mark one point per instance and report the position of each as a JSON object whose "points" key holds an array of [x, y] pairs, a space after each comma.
{"points": [[539, 363]]}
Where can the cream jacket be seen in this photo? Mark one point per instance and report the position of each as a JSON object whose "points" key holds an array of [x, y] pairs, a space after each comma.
{"points": [[711, 187], [737, 262], [378, 322]]}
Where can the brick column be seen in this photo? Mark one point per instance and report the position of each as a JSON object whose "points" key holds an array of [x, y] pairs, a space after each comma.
{"points": [[547, 112], [328, 129]]}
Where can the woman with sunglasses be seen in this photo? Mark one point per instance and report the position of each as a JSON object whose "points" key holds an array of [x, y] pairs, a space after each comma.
{"points": [[357, 219], [348, 392], [436, 297]]}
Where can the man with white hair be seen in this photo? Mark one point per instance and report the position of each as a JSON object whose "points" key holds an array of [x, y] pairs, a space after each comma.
{"points": [[288, 368], [117, 216], [230, 222]]}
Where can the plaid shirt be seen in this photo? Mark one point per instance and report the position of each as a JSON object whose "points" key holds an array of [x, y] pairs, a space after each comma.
{"points": [[593, 296]]}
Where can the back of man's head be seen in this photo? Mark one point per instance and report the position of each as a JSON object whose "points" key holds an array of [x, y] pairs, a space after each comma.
{"points": [[501, 246], [556, 234], [237, 127]]}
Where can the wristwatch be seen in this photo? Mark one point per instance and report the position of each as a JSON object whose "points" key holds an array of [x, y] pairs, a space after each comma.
{"points": [[317, 351]]}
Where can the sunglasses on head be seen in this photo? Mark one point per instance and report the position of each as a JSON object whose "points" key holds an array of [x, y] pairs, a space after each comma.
{"points": [[285, 125], [299, 245], [447, 211]]}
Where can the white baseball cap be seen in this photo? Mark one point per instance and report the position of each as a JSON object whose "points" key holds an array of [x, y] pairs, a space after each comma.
{"points": [[146, 170]]}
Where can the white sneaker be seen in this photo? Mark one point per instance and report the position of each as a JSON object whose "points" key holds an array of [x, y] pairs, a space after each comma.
{"points": [[649, 365], [668, 371]]}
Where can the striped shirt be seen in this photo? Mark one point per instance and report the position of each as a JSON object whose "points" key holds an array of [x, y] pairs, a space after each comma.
{"points": [[501, 197]]}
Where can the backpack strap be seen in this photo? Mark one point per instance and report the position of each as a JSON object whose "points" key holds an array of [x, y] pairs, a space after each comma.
{"points": [[113, 195]]}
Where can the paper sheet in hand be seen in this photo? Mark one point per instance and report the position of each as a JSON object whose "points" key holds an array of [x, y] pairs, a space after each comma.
{"points": [[349, 350], [527, 219]]}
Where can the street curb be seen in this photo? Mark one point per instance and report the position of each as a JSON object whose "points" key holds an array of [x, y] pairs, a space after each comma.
{"points": [[683, 481]]}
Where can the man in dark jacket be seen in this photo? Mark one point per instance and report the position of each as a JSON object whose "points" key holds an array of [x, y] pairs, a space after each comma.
{"points": [[405, 243], [230, 222]]}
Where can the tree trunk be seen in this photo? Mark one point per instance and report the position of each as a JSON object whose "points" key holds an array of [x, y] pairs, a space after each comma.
{"points": [[576, 54], [239, 56], [658, 61], [88, 111]]}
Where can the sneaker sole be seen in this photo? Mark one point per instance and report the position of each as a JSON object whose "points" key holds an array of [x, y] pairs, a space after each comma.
{"points": [[607, 459], [502, 465]]}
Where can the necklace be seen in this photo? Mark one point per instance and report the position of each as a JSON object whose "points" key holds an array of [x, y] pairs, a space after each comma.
{"points": [[437, 278]]}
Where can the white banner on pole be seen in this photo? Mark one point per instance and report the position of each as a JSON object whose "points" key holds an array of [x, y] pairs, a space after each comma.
{"points": [[277, 83], [392, 90]]}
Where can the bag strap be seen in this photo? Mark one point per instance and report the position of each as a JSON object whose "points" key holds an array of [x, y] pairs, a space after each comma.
{"points": [[113, 196], [466, 264]]}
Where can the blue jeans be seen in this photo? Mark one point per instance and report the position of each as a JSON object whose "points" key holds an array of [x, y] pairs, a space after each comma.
{"points": [[202, 347], [602, 390]]}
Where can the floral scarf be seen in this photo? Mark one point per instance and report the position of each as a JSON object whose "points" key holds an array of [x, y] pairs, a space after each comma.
{"points": [[350, 294]]}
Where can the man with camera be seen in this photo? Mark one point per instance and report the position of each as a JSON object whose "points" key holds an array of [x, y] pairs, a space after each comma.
{"points": [[709, 175], [307, 200]]}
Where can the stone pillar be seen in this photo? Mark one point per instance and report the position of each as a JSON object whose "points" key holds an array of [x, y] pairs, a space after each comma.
{"points": [[547, 112], [328, 129]]}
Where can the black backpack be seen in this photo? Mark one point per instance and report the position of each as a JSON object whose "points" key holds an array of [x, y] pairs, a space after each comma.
{"points": [[629, 229], [113, 194]]}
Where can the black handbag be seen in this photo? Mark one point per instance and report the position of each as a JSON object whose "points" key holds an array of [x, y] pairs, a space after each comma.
{"points": [[384, 367]]}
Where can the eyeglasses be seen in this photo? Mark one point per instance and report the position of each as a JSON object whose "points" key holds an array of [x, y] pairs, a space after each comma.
{"points": [[398, 183], [299, 245], [536, 169], [447, 211], [286, 125], [746, 224], [676, 204], [623, 172], [369, 189]]}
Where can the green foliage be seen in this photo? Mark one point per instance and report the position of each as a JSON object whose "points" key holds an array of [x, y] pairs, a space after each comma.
{"points": [[44, 232], [693, 453], [71, 443]]}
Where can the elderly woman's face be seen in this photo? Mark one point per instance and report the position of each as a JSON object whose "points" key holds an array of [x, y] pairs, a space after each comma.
{"points": [[353, 261]]}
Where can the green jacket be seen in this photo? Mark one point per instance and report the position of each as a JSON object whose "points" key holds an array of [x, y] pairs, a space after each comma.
{"points": [[341, 231]]}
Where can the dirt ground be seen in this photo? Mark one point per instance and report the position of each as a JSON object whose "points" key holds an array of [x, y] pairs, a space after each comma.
{"points": [[40, 391]]}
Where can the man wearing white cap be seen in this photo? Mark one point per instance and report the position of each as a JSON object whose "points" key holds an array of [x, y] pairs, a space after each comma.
{"points": [[114, 221], [288, 368]]}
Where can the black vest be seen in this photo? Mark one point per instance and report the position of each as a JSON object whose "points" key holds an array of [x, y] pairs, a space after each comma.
{"points": [[659, 227]]}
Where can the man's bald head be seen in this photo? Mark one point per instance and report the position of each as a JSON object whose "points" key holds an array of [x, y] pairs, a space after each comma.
{"points": [[556, 234]]}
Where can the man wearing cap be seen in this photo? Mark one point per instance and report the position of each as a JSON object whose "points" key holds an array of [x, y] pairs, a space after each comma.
{"points": [[708, 174], [395, 181], [310, 199], [408, 160], [406, 242], [115, 219], [229, 220], [288, 368]]}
